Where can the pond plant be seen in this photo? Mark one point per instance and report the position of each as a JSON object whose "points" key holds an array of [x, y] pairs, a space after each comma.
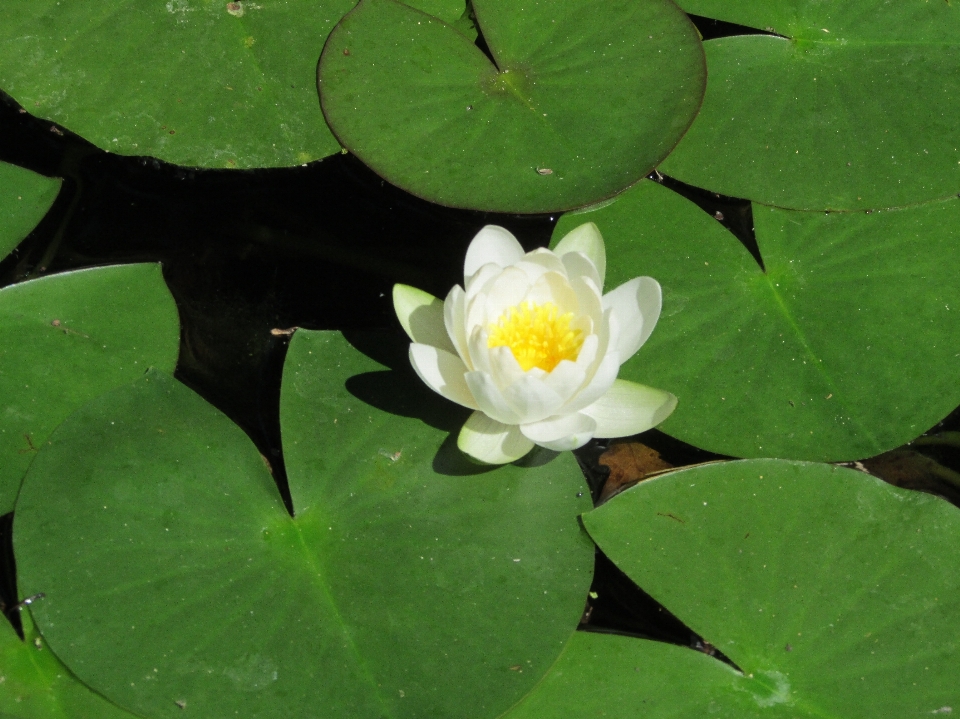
{"points": [[252, 464]]}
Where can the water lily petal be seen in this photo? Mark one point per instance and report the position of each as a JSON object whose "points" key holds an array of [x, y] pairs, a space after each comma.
{"points": [[509, 289], [651, 301], [586, 239], [541, 260], [503, 367], [588, 298], [453, 320], [630, 408], [421, 316], [598, 385], [492, 244], [532, 399], [566, 379], [553, 287], [443, 372], [479, 352], [588, 354], [578, 264], [568, 431], [490, 399], [492, 442], [478, 283], [636, 307]]}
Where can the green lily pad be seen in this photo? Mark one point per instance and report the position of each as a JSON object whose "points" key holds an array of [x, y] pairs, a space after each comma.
{"points": [[853, 109], [835, 593], [25, 198], [36, 685], [845, 347], [194, 82], [584, 98], [643, 680], [409, 583], [67, 338]]}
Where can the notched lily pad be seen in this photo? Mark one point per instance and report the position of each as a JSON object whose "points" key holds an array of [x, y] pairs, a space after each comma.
{"points": [[397, 589], [25, 198], [844, 347], [64, 339], [580, 100], [835, 593], [853, 109]]}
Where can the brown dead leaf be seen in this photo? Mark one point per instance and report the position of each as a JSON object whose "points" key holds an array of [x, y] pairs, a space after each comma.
{"points": [[629, 462]]}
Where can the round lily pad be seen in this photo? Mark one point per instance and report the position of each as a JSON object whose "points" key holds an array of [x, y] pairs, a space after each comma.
{"points": [[409, 583], [843, 346], [579, 100], [64, 339], [25, 198], [852, 109], [835, 594]]}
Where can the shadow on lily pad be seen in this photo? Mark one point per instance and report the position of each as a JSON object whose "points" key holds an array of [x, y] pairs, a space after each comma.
{"points": [[399, 391]]}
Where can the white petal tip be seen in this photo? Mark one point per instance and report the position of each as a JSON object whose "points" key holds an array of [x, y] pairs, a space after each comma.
{"points": [[493, 244], [491, 442], [630, 408], [586, 239], [421, 316]]}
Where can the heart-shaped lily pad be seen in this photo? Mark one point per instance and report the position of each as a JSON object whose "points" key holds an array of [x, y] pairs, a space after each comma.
{"points": [[853, 109], [835, 593], [580, 100], [25, 198], [64, 339], [36, 685], [409, 584], [845, 346]]}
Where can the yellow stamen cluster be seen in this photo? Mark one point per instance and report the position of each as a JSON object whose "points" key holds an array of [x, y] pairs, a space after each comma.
{"points": [[537, 335]]}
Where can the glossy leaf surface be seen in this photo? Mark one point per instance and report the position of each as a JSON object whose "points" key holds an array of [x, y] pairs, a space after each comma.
{"points": [[581, 99], [835, 593], [853, 109], [405, 586], [37, 686], [25, 198], [844, 347], [192, 82], [67, 338]]}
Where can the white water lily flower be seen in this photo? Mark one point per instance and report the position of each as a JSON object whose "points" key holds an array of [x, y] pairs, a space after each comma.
{"points": [[533, 347]]}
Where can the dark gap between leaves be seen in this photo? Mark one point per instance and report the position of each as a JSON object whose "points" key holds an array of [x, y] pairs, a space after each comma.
{"points": [[711, 29], [733, 213], [8, 575], [481, 43], [616, 605]]}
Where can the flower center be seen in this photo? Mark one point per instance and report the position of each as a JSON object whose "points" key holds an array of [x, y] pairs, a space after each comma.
{"points": [[537, 335]]}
